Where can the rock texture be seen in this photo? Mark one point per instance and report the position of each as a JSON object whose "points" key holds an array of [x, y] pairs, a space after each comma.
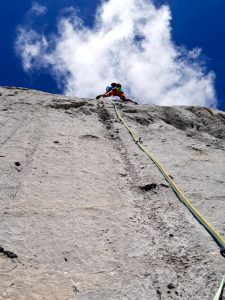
{"points": [[86, 215]]}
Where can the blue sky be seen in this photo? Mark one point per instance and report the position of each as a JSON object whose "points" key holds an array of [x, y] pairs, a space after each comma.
{"points": [[195, 23], [11, 72]]}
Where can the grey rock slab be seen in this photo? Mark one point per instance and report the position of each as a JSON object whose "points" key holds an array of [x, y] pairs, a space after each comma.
{"points": [[77, 205]]}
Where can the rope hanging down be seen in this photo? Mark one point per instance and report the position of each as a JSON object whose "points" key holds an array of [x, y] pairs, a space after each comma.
{"points": [[219, 294], [215, 235]]}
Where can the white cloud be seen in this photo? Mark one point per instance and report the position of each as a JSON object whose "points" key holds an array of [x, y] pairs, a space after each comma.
{"points": [[129, 43], [38, 9], [32, 46]]}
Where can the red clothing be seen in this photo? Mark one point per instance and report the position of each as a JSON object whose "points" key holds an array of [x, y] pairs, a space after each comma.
{"points": [[115, 92]]}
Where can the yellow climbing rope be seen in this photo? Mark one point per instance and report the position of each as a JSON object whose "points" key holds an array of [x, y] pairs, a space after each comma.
{"points": [[219, 294], [216, 236]]}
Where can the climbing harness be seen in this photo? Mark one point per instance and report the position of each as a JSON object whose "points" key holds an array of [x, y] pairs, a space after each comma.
{"points": [[219, 294], [216, 236]]}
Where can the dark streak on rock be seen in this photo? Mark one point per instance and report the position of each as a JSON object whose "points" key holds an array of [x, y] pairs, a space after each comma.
{"points": [[171, 286], [10, 254], [75, 289], [149, 187], [67, 104], [88, 137]]}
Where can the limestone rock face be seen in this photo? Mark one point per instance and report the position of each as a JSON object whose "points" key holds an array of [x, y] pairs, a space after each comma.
{"points": [[86, 215]]}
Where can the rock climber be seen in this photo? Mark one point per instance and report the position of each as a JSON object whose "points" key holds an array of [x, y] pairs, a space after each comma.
{"points": [[116, 90]]}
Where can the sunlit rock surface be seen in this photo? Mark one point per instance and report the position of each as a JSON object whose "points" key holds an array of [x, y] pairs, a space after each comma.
{"points": [[89, 216]]}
